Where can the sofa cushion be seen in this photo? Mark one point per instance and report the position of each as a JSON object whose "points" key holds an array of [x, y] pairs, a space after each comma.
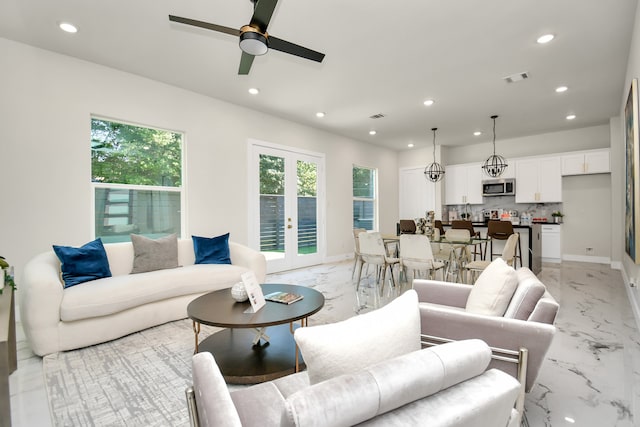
{"points": [[493, 290], [353, 344], [214, 250], [353, 398], [83, 264], [118, 293], [526, 296], [154, 254]]}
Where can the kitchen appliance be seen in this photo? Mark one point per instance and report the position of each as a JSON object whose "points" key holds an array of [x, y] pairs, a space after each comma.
{"points": [[499, 187]]}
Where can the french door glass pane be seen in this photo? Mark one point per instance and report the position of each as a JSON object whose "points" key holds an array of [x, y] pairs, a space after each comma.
{"points": [[122, 211], [307, 208], [272, 223]]}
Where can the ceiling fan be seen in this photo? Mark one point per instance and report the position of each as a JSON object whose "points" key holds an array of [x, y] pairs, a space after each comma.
{"points": [[254, 39]]}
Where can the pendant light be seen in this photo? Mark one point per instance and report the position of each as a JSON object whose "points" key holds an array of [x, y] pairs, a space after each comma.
{"points": [[495, 164], [434, 172]]}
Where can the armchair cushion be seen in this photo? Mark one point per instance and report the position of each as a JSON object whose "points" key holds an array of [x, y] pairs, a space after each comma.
{"points": [[353, 398], [493, 289], [526, 296], [353, 344]]}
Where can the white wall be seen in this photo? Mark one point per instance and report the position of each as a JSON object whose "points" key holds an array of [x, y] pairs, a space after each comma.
{"points": [[45, 106]]}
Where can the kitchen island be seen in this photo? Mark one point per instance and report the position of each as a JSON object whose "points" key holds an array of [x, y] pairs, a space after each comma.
{"points": [[530, 243]]}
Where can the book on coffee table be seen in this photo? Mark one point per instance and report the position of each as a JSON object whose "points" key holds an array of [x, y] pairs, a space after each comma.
{"points": [[283, 297]]}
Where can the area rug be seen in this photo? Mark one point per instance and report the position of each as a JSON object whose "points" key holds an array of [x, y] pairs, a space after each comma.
{"points": [[138, 380]]}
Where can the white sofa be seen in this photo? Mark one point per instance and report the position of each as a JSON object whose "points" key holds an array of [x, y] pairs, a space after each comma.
{"points": [[55, 318]]}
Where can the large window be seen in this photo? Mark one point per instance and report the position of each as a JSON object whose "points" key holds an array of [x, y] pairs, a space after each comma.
{"points": [[137, 178], [364, 198]]}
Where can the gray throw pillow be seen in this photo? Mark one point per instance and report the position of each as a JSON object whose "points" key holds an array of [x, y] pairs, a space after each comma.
{"points": [[150, 254]]}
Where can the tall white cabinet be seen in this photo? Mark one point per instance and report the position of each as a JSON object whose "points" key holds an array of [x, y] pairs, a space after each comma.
{"points": [[463, 184], [539, 180], [417, 194]]}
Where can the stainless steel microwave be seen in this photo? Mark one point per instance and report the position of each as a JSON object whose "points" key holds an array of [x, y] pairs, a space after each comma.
{"points": [[499, 187]]}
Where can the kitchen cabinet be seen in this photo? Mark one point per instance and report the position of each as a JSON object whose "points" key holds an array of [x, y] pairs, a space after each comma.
{"points": [[463, 184], [586, 162], [539, 180], [551, 243]]}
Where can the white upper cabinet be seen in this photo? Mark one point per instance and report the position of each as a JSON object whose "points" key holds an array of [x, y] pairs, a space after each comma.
{"points": [[463, 184], [539, 180], [586, 162]]}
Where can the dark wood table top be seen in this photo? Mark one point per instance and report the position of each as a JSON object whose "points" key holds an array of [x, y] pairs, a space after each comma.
{"points": [[220, 309]]}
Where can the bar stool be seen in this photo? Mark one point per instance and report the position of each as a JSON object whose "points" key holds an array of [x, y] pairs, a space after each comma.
{"points": [[501, 230], [468, 225]]}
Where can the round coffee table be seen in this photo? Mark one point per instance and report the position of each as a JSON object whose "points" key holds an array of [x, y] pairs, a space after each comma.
{"points": [[241, 351]]}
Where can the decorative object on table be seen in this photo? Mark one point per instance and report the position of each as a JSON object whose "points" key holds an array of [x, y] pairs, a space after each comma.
{"points": [[283, 297], [632, 216], [431, 215], [6, 275], [557, 217], [254, 291], [239, 292], [434, 171], [495, 164]]}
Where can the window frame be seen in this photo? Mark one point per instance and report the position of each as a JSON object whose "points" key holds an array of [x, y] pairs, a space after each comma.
{"points": [[374, 199], [136, 187]]}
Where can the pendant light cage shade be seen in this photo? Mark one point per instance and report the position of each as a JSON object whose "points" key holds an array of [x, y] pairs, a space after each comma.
{"points": [[434, 171], [495, 165]]}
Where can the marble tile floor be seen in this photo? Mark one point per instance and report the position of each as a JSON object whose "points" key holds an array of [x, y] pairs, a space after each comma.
{"points": [[591, 376]]}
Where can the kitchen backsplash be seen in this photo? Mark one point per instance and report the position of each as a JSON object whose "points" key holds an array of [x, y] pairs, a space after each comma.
{"points": [[535, 210]]}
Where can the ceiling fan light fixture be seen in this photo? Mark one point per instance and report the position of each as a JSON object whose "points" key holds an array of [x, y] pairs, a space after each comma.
{"points": [[253, 43], [495, 164]]}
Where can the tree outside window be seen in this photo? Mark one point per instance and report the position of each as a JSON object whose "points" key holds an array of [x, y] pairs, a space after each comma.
{"points": [[137, 177], [364, 198]]}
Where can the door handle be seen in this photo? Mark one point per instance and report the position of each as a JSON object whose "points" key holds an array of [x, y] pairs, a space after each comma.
{"points": [[289, 226]]}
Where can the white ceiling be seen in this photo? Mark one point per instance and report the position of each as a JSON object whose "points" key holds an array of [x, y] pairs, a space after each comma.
{"points": [[381, 57]]}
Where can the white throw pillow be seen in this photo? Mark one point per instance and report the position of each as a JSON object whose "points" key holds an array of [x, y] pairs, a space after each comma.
{"points": [[493, 290], [361, 341]]}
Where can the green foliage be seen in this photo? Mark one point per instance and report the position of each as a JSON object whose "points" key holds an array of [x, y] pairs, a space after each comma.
{"points": [[271, 175], [127, 154], [307, 179], [363, 182]]}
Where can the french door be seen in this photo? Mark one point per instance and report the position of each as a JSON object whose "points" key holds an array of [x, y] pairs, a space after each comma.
{"points": [[287, 206]]}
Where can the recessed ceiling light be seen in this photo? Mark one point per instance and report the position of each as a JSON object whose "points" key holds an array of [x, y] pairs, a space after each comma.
{"points": [[429, 102], [410, 145], [254, 91], [320, 114], [569, 420], [545, 38], [67, 27], [372, 132], [477, 133], [561, 89], [571, 116]]}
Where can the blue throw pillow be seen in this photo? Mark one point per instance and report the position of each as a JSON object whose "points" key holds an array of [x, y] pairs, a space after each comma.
{"points": [[214, 250], [79, 265]]}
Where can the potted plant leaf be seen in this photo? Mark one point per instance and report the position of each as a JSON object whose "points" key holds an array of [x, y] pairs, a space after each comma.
{"points": [[557, 217]]}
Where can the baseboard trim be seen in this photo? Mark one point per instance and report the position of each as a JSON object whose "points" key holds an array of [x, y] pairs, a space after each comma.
{"points": [[635, 307], [587, 258]]}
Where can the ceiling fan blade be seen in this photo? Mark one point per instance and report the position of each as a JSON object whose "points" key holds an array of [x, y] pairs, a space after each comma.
{"points": [[245, 63], [294, 49], [262, 14], [205, 25]]}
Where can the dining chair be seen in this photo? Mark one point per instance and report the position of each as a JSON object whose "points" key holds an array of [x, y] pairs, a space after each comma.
{"points": [[501, 230], [474, 268], [416, 255], [457, 239], [407, 226], [373, 251], [461, 224], [356, 249]]}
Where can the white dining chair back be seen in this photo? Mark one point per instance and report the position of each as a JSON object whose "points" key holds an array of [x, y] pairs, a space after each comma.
{"points": [[356, 248], [457, 235], [509, 251], [416, 254], [373, 251]]}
